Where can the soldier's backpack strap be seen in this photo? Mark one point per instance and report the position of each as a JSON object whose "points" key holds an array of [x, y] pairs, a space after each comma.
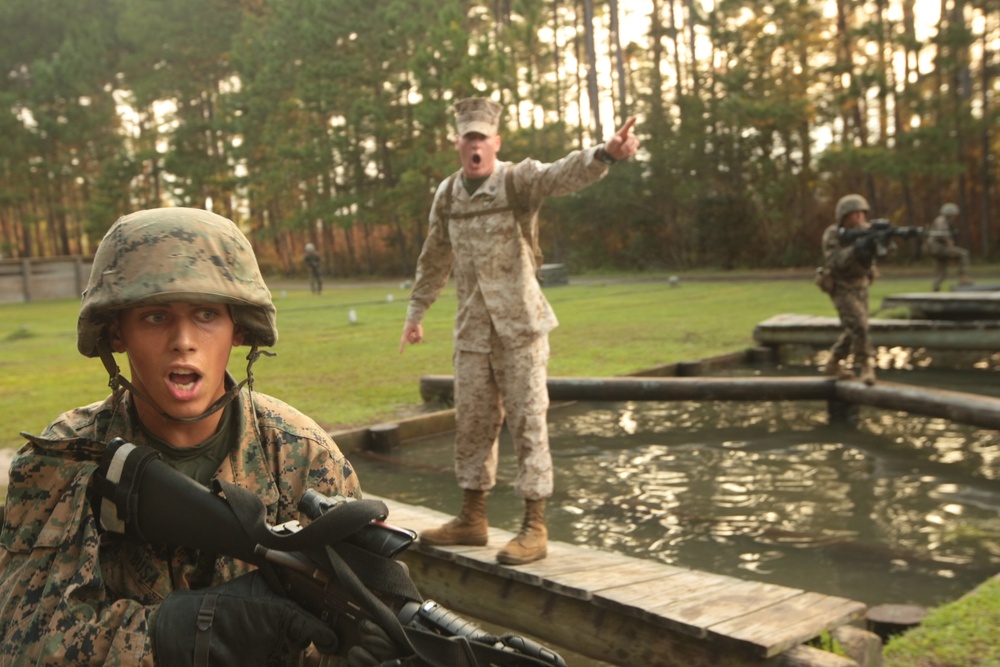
{"points": [[445, 213], [527, 220]]}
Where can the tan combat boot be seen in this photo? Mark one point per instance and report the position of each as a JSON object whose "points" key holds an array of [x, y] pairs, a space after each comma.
{"points": [[531, 543], [470, 527], [868, 372], [835, 368]]}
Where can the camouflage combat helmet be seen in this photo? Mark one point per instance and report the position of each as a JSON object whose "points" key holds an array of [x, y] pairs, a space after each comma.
{"points": [[166, 255], [849, 204], [175, 254], [949, 209]]}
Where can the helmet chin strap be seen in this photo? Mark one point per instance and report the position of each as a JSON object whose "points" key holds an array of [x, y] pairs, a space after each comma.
{"points": [[118, 383]]}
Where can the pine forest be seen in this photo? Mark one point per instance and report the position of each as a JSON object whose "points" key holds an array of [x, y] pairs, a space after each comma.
{"points": [[330, 121]]}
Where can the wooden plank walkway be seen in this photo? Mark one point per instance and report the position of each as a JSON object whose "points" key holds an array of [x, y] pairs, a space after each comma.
{"points": [[786, 329], [622, 609], [965, 305]]}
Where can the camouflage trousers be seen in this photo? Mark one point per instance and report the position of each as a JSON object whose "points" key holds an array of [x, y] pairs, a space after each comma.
{"points": [[852, 306], [944, 257], [490, 386]]}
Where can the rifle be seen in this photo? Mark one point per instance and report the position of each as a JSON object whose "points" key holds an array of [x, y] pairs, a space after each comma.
{"points": [[339, 567], [878, 234]]}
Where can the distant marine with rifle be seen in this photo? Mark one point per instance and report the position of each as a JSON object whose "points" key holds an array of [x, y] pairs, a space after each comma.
{"points": [[850, 247]]}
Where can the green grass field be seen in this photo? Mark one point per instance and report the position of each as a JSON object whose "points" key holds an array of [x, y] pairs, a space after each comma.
{"points": [[348, 374]]}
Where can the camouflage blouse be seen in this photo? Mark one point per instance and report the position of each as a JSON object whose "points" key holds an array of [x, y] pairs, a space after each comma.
{"points": [[72, 594], [842, 262], [493, 262]]}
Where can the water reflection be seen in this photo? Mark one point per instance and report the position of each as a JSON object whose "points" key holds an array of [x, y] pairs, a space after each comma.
{"points": [[764, 491]]}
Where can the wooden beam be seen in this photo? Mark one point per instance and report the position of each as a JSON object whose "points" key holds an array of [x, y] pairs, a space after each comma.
{"points": [[960, 407], [714, 388], [956, 406]]}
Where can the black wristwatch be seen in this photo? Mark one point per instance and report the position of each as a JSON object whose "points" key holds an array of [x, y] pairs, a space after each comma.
{"points": [[603, 156]]}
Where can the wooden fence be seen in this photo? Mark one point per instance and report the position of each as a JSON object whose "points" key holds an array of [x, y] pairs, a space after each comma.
{"points": [[41, 279]]}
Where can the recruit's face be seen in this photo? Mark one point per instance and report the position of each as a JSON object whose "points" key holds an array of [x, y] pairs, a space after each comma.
{"points": [[855, 219], [178, 354], [478, 154]]}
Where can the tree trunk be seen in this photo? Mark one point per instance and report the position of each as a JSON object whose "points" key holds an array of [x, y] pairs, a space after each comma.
{"points": [[619, 62], [595, 103]]}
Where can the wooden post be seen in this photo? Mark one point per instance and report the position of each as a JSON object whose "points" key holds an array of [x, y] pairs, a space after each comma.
{"points": [[887, 620], [764, 354], [842, 412], [689, 369], [438, 389], [383, 438], [26, 279], [81, 280]]}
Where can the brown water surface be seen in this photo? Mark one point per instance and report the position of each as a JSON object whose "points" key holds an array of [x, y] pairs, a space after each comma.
{"points": [[899, 509]]}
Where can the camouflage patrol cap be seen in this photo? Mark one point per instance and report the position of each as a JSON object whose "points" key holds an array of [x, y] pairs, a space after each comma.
{"points": [[949, 209], [849, 204], [167, 255], [477, 114]]}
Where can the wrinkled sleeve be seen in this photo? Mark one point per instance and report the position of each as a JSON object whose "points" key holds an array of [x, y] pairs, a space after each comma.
{"points": [[54, 606], [842, 259], [562, 177], [434, 264], [837, 256]]}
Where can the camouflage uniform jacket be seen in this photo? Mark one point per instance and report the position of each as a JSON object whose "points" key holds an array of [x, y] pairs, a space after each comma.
{"points": [[842, 262], [73, 594], [941, 236], [494, 264]]}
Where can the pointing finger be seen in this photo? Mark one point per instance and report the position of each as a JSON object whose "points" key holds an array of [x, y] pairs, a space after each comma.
{"points": [[623, 133]]}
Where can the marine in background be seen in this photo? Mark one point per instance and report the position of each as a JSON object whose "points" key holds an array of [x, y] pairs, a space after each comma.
{"points": [[314, 262], [943, 250], [848, 270]]}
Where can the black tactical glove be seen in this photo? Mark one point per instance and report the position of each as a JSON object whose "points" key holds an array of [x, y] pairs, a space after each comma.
{"points": [[240, 622], [375, 648]]}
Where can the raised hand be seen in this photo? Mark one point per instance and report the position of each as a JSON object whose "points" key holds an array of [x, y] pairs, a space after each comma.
{"points": [[623, 144]]}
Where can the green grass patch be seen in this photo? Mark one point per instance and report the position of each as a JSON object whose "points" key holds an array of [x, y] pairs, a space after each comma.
{"points": [[960, 634]]}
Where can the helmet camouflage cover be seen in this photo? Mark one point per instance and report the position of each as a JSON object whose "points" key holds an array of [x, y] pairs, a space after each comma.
{"points": [[167, 255], [949, 209], [849, 204]]}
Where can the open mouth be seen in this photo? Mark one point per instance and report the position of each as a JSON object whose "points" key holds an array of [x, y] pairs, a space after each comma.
{"points": [[184, 380], [476, 159]]}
